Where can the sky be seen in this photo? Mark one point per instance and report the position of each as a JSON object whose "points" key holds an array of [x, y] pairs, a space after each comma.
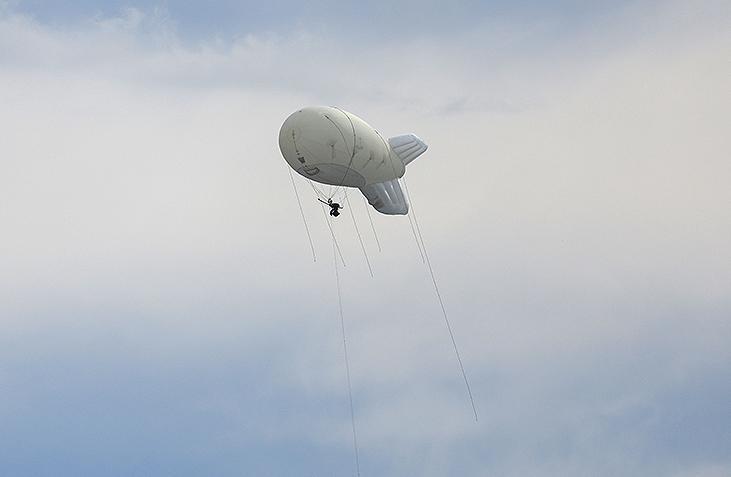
{"points": [[160, 310]]}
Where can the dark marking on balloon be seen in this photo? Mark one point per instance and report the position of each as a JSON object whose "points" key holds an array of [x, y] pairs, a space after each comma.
{"points": [[311, 171]]}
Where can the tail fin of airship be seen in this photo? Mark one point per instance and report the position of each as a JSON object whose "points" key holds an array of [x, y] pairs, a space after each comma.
{"points": [[408, 147], [386, 197]]}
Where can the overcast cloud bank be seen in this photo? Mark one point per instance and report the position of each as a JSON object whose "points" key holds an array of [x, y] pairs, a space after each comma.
{"points": [[161, 315]]}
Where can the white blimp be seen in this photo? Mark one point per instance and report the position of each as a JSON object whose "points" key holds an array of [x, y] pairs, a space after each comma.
{"points": [[331, 146]]}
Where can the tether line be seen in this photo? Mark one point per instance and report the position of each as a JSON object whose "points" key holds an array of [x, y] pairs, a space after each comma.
{"points": [[302, 213], [357, 231], [370, 219], [347, 363], [413, 231], [441, 303], [315, 189]]}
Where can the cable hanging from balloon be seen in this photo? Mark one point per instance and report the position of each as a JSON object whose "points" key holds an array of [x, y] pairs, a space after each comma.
{"points": [[302, 213], [357, 231], [347, 361], [441, 304]]}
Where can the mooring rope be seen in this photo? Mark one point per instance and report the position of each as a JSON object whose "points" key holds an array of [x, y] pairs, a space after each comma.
{"points": [[357, 231], [370, 219], [413, 232], [302, 213], [441, 303], [347, 362]]}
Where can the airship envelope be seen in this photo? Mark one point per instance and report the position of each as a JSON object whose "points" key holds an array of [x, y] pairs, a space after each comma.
{"points": [[331, 146]]}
